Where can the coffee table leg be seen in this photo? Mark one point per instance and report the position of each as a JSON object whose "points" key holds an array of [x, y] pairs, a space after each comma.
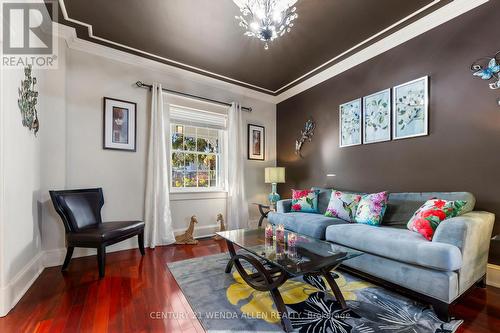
{"points": [[262, 280], [232, 252], [281, 307], [335, 288]]}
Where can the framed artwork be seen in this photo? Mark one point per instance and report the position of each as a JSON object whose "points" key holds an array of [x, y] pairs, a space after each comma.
{"points": [[377, 117], [410, 113], [256, 142], [119, 124], [350, 123]]}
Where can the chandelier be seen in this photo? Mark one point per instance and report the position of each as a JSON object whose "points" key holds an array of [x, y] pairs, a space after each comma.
{"points": [[266, 19]]}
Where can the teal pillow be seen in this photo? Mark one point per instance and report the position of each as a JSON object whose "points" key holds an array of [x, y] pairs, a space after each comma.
{"points": [[305, 201]]}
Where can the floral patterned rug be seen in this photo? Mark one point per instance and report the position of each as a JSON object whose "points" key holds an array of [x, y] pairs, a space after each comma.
{"points": [[225, 303]]}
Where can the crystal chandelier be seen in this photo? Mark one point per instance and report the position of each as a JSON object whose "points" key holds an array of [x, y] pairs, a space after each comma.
{"points": [[266, 19]]}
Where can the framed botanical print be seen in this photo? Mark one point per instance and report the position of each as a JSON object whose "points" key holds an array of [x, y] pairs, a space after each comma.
{"points": [[119, 124], [256, 142], [377, 117], [350, 123], [411, 104]]}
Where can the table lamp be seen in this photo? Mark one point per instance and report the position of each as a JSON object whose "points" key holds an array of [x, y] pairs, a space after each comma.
{"points": [[273, 176]]}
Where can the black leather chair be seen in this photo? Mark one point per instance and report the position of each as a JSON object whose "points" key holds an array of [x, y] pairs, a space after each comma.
{"points": [[80, 211]]}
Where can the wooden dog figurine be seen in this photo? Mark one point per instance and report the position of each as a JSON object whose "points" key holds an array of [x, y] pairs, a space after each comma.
{"points": [[187, 237], [222, 227]]}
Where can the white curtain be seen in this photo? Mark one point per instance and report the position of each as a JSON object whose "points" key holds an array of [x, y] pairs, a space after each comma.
{"points": [[158, 219], [237, 205]]}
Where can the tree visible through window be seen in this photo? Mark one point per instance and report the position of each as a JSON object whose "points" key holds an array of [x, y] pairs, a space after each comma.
{"points": [[196, 157]]}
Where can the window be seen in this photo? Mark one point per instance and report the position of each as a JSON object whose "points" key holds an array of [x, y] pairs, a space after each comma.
{"points": [[197, 162]]}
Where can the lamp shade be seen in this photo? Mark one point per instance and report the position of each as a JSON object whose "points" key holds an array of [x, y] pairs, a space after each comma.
{"points": [[275, 175]]}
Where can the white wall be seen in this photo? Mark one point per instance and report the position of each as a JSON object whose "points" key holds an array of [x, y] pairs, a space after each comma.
{"points": [[67, 153], [24, 157], [83, 162], [20, 185]]}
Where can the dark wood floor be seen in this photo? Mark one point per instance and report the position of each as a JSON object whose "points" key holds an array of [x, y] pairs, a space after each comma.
{"points": [[135, 287]]}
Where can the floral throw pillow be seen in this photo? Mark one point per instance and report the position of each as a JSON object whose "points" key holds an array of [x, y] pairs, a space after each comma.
{"points": [[371, 208], [427, 218], [343, 205], [305, 201]]}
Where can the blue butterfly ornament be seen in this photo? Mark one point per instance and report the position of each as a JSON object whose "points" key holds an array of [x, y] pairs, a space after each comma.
{"points": [[490, 71]]}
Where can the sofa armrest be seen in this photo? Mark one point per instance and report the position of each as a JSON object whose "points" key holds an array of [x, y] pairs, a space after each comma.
{"points": [[284, 206], [471, 233]]}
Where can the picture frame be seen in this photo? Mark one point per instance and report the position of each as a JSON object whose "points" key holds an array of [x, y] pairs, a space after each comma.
{"points": [[119, 124], [350, 123], [377, 109], [256, 142], [410, 116]]}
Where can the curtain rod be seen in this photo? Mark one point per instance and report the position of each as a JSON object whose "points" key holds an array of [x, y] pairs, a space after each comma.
{"points": [[149, 86]]}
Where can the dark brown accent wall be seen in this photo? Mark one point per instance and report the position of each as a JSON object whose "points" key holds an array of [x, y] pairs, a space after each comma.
{"points": [[462, 152]]}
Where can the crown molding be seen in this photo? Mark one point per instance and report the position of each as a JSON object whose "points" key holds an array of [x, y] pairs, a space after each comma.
{"points": [[428, 22], [75, 43], [202, 71], [420, 26], [389, 28], [154, 56]]}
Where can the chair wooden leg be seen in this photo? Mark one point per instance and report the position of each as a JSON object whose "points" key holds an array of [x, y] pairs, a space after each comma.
{"points": [[101, 260], [140, 239], [67, 259]]}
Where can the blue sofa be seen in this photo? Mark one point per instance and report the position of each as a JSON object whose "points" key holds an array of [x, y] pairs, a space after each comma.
{"points": [[437, 271]]}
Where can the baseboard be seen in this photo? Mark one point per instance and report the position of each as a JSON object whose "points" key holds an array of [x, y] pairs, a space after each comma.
{"points": [[12, 292], [55, 257], [22, 281], [200, 231], [493, 275]]}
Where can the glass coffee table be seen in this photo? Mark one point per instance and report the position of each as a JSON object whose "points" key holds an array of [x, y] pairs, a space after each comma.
{"points": [[274, 262]]}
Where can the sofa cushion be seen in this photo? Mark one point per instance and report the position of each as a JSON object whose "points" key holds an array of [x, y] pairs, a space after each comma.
{"points": [[427, 218], [371, 208], [323, 198], [402, 206], [343, 205], [305, 201], [397, 244], [431, 282], [312, 225]]}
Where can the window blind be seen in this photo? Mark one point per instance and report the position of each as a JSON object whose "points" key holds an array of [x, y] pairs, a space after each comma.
{"points": [[196, 117]]}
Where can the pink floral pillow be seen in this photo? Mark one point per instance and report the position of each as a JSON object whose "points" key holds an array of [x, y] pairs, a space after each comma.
{"points": [[427, 218], [371, 208], [305, 201], [343, 205]]}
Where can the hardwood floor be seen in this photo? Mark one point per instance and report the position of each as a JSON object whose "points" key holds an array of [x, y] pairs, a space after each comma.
{"points": [[137, 289]]}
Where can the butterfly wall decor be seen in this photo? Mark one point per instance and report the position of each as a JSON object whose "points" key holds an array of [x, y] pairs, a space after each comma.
{"points": [[488, 68]]}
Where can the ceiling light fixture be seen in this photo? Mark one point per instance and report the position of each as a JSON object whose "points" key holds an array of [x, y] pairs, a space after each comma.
{"points": [[266, 19]]}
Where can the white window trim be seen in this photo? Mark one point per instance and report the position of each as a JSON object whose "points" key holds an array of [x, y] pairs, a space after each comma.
{"points": [[223, 163]]}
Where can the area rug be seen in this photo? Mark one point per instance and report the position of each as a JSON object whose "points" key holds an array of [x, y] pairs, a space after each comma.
{"points": [[225, 303]]}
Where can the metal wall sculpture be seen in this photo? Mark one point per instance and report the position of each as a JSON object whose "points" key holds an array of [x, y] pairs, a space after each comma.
{"points": [[305, 135], [488, 68], [28, 97]]}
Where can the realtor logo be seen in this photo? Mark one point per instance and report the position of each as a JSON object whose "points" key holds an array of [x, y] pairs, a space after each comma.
{"points": [[28, 37]]}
